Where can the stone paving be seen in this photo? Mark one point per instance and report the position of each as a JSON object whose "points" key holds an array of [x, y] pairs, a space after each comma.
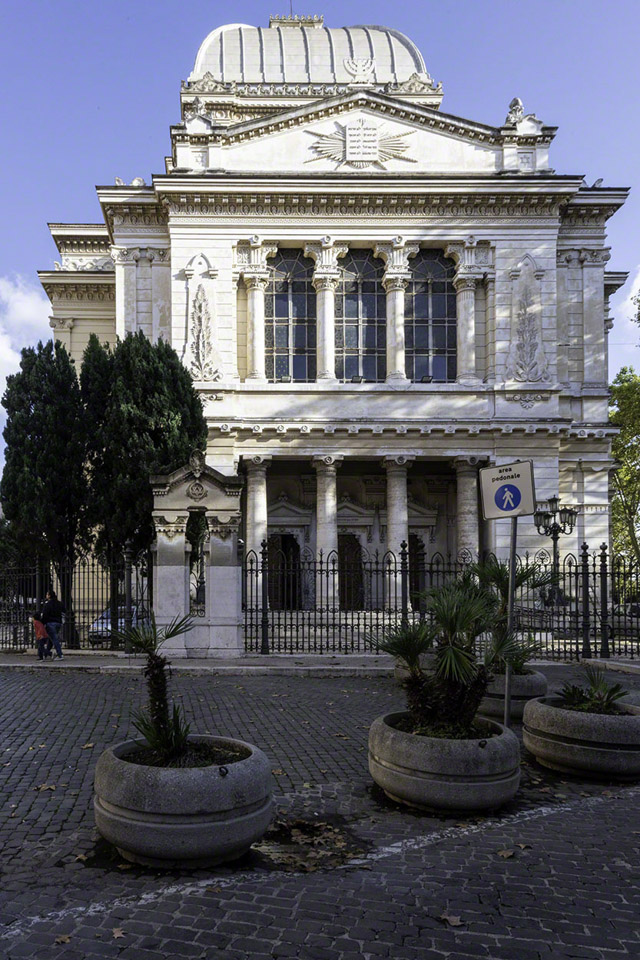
{"points": [[346, 875]]}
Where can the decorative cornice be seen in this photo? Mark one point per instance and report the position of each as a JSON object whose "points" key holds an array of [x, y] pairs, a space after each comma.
{"points": [[58, 287], [584, 256], [267, 429], [446, 208]]}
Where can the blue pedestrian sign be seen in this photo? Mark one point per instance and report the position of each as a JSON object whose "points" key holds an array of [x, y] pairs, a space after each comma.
{"points": [[508, 490], [507, 498]]}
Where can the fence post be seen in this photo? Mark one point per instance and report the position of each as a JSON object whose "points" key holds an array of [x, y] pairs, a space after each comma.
{"points": [[128, 608], [264, 621], [604, 603], [404, 581], [586, 626]]}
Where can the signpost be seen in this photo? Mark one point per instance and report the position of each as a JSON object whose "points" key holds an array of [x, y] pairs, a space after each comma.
{"points": [[508, 491]]}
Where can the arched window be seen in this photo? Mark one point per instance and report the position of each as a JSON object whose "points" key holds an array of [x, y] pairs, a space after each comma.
{"points": [[361, 313], [290, 318], [430, 318]]}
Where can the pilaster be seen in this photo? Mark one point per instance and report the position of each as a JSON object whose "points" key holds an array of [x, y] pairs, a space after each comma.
{"points": [[252, 258]]}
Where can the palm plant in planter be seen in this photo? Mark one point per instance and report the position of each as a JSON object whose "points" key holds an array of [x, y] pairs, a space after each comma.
{"points": [[173, 798], [493, 576], [438, 753], [586, 729]]}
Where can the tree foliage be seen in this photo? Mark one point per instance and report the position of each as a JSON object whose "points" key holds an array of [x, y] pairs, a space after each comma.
{"points": [[145, 418], [43, 487], [625, 507]]}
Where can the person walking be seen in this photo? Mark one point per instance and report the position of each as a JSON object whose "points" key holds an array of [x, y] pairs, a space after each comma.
{"points": [[52, 618], [42, 637]]}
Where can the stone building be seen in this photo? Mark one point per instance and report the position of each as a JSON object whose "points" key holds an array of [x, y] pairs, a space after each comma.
{"points": [[374, 297]]}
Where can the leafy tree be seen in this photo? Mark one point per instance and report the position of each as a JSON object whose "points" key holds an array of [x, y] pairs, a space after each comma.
{"points": [[43, 487], [625, 414], [145, 418]]}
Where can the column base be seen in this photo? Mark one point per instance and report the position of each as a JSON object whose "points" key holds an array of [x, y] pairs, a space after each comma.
{"points": [[326, 378], [469, 378], [397, 380], [255, 378]]}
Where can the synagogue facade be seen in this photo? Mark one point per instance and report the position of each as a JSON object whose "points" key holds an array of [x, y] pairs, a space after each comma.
{"points": [[374, 297]]}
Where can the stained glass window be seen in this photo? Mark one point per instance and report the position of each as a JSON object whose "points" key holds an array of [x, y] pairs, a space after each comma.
{"points": [[290, 318], [430, 318], [361, 312]]}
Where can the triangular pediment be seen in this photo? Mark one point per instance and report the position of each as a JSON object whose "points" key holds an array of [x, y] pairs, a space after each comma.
{"points": [[356, 132]]}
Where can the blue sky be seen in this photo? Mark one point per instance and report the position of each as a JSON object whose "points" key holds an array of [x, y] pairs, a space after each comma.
{"points": [[89, 91]]}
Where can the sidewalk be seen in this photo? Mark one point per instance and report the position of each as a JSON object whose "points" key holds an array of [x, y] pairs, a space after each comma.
{"points": [[277, 665], [273, 664]]}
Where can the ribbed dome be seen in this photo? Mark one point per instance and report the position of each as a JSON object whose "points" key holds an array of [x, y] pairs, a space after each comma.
{"points": [[300, 52]]}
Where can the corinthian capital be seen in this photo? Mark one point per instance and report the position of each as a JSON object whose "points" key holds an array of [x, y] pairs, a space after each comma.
{"points": [[396, 255], [325, 255], [252, 255]]}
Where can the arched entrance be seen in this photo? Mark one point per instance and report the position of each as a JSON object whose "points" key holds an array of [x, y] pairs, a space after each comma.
{"points": [[284, 572], [350, 572]]}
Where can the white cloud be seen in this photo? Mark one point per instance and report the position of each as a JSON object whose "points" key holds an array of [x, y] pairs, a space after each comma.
{"points": [[24, 319], [624, 339]]}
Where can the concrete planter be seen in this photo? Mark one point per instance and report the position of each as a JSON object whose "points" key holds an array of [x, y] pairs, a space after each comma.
{"points": [[192, 816], [524, 687], [428, 773], [591, 743]]}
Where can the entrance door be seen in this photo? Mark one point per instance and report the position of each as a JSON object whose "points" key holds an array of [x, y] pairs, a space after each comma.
{"points": [[284, 572], [350, 572]]}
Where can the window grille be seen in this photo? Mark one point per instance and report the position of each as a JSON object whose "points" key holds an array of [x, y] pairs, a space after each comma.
{"points": [[361, 313], [290, 318], [430, 318]]}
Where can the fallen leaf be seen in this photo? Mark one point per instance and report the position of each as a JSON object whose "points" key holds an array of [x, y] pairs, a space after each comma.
{"points": [[342, 736], [82, 856], [524, 846], [87, 746], [125, 866], [505, 854], [452, 921], [278, 772], [45, 786], [63, 938], [214, 889], [118, 933]]}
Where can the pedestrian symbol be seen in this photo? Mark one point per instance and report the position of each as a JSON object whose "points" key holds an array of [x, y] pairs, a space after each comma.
{"points": [[507, 497]]}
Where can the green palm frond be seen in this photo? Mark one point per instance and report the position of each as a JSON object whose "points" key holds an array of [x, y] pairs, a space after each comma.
{"points": [[455, 663], [408, 643]]}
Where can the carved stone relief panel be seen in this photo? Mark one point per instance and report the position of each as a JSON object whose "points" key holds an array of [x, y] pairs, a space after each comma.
{"points": [[527, 361]]}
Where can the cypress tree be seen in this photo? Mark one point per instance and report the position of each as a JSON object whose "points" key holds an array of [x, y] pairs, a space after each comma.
{"points": [[43, 488], [146, 418]]}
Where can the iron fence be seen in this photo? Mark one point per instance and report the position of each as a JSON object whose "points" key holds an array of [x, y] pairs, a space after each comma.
{"points": [[302, 604], [99, 599]]}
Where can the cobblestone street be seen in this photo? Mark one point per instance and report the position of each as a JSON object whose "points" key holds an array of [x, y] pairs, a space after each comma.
{"points": [[553, 875]]}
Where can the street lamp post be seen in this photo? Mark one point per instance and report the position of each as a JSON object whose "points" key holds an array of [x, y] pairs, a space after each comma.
{"points": [[554, 522]]}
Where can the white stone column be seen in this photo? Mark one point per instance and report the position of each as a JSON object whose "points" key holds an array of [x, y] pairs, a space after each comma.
{"points": [[255, 327], [325, 288], [326, 504], [397, 504], [256, 521], [467, 526], [325, 280], [466, 328], [396, 276], [327, 585], [396, 369]]}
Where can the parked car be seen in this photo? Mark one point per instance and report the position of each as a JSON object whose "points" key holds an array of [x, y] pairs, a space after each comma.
{"points": [[100, 629]]}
